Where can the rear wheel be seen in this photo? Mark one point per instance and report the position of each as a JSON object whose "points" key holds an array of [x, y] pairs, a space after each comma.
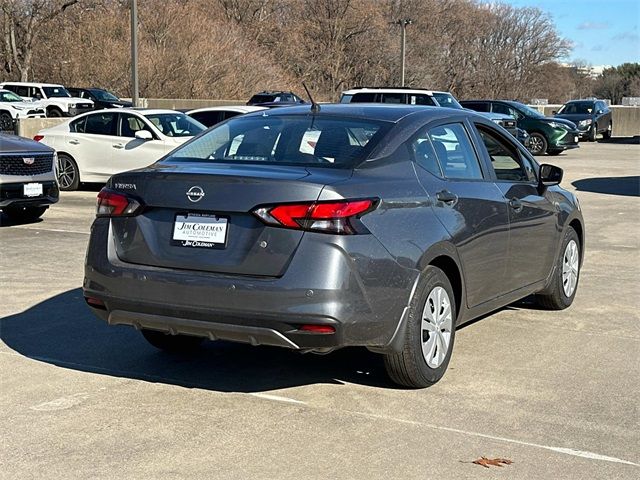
{"points": [[562, 290], [537, 144], [24, 214], [68, 173], [607, 132], [429, 334], [171, 343]]}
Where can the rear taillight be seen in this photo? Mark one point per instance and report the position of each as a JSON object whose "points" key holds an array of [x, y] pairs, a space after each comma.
{"points": [[115, 204], [328, 217], [37, 138]]}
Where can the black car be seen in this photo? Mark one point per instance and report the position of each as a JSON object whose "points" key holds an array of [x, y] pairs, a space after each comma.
{"points": [[275, 99], [101, 98], [380, 226], [546, 134], [591, 116]]}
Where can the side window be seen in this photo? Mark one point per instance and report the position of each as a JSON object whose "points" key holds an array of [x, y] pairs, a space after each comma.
{"points": [[365, 97], [130, 124], [101, 123], [477, 106], [425, 155], [393, 98], [501, 108], [455, 152], [37, 92], [22, 91], [506, 160], [227, 115], [420, 99], [208, 119], [77, 126]]}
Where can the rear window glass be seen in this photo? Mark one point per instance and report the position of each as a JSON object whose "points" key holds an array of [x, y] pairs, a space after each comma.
{"points": [[263, 98], [286, 140]]}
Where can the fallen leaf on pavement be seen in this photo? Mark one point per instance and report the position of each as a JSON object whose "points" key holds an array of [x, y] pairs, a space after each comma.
{"points": [[487, 462]]}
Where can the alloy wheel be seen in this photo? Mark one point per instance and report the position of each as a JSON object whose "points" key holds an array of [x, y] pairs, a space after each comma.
{"points": [[570, 266], [535, 144], [66, 172], [437, 322]]}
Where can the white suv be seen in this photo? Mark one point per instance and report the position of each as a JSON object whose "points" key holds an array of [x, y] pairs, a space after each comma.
{"points": [[14, 107], [27, 178], [57, 101]]}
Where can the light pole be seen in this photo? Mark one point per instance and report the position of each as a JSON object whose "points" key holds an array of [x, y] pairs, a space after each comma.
{"points": [[403, 43], [134, 52]]}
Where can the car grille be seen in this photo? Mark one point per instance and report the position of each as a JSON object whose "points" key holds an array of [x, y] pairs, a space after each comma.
{"points": [[83, 105], [15, 164]]}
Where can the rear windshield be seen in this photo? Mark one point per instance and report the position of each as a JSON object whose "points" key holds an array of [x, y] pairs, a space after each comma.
{"points": [[263, 98], [286, 140]]}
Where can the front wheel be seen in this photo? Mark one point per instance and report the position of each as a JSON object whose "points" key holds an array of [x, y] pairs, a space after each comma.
{"points": [[593, 133], [607, 133], [24, 214], [171, 343], [537, 144], [564, 284], [54, 112], [429, 334]]}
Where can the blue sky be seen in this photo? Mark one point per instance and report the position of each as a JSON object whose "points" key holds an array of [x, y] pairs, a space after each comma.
{"points": [[603, 32]]}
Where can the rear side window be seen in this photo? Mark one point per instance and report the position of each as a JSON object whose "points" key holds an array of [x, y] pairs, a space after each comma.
{"points": [[425, 154], [364, 97], [506, 160], [77, 126], [394, 98], [287, 140], [420, 99], [101, 123], [477, 106], [455, 152], [208, 119]]}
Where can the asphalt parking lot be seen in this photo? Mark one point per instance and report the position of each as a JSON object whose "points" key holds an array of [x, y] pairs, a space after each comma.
{"points": [[555, 392]]}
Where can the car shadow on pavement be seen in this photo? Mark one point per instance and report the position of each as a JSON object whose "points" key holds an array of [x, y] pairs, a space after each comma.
{"points": [[62, 331], [626, 186], [5, 221]]}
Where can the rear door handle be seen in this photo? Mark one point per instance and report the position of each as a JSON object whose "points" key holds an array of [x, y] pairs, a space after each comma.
{"points": [[74, 142], [447, 197], [516, 204], [118, 145]]}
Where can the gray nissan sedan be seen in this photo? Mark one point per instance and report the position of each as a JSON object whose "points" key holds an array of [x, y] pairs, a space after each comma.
{"points": [[384, 226]]}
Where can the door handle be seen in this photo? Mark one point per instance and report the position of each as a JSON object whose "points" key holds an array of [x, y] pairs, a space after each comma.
{"points": [[118, 145], [447, 197], [516, 204], [74, 142]]}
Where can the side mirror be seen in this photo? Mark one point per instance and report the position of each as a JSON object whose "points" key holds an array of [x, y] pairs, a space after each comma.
{"points": [[554, 112], [143, 135], [600, 112], [549, 175]]}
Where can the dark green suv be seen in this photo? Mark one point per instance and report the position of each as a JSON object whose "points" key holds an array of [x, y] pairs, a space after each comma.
{"points": [[547, 134]]}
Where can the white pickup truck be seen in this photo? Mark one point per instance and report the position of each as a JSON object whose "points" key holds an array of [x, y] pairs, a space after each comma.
{"points": [[57, 101]]}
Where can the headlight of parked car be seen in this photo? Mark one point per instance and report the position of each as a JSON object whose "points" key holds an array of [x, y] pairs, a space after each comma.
{"points": [[558, 125], [73, 105], [584, 123], [18, 107]]}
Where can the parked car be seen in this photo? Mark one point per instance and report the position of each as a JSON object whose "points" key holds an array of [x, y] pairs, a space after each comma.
{"points": [[254, 233], [591, 116], [421, 96], [210, 116], [27, 178], [275, 99], [96, 145], [56, 100], [100, 97], [13, 107], [547, 134]]}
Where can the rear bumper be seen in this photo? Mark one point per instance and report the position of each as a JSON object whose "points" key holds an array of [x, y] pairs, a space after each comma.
{"points": [[362, 298], [12, 194]]}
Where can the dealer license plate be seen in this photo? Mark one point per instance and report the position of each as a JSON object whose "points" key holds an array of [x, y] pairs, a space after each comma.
{"points": [[199, 230], [32, 189]]}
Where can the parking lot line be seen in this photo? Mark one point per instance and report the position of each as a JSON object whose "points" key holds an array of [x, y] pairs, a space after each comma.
{"points": [[58, 230], [564, 450]]}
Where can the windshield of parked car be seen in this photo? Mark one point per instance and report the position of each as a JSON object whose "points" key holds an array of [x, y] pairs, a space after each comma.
{"points": [[286, 140], [528, 111], [7, 96], [446, 100], [54, 92], [577, 108], [105, 96], [175, 124]]}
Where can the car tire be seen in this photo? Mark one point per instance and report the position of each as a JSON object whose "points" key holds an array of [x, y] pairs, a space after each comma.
{"points": [[424, 360], [54, 112], [5, 118], [564, 284], [68, 173], [537, 144], [593, 133], [24, 214], [607, 133], [171, 343]]}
